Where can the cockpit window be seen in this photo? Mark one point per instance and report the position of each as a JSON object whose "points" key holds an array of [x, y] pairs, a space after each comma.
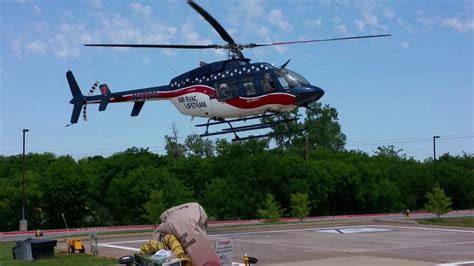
{"points": [[226, 89], [290, 79]]}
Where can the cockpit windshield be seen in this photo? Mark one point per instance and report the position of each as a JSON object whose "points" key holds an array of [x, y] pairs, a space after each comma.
{"points": [[290, 79]]}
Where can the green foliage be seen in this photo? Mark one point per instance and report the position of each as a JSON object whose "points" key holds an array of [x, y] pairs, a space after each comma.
{"points": [[65, 189], [155, 206], [231, 180], [300, 205], [272, 211], [322, 129], [438, 202], [174, 149], [199, 147]]}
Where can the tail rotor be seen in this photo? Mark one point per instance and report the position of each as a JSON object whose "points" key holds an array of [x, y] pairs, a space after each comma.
{"points": [[84, 108]]}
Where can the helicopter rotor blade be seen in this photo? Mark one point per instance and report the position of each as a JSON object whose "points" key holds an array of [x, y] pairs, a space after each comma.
{"points": [[222, 32], [178, 46], [252, 45]]}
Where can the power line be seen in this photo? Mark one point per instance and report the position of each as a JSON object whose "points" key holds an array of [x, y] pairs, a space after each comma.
{"points": [[155, 149], [402, 141]]}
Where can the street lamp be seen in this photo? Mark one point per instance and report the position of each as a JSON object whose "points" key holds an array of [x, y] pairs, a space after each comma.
{"points": [[23, 221], [434, 147]]}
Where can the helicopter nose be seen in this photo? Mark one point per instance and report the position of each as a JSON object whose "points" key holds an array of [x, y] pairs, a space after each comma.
{"points": [[308, 94]]}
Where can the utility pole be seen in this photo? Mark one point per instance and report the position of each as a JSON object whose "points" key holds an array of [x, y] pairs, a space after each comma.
{"points": [[306, 146], [434, 155], [23, 221]]}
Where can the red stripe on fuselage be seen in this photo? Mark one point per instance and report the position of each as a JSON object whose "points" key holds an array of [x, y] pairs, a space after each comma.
{"points": [[119, 99], [200, 89], [275, 98], [243, 103], [165, 94]]}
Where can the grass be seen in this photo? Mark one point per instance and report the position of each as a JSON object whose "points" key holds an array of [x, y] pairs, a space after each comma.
{"points": [[454, 221], [60, 258]]}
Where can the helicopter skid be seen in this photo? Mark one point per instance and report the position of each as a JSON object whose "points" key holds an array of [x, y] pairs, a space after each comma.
{"points": [[234, 130]]}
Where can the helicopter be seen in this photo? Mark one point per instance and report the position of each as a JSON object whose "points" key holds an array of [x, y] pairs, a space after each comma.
{"points": [[225, 92]]}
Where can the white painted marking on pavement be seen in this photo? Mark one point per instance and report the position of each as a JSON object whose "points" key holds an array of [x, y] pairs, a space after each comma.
{"points": [[345, 227], [111, 244], [290, 230], [354, 230], [430, 229], [129, 241], [457, 263], [119, 247], [413, 246]]}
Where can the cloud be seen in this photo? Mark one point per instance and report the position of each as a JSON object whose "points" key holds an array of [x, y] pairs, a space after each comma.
{"points": [[425, 21], [458, 24], [370, 12], [141, 9], [64, 48], [68, 39], [262, 32], [324, 3], [21, 45], [337, 19], [251, 8], [192, 36], [95, 4], [37, 9], [36, 47], [312, 23], [370, 19], [405, 45], [276, 18], [342, 28], [360, 25], [406, 26], [388, 13]]}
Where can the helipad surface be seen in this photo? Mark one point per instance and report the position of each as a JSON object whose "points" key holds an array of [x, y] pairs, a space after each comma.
{"points": [[355, 245]]}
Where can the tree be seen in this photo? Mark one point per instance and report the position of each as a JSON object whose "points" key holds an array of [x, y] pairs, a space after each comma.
{"points": [[66, 190], [223, 199], [173, 148], [438, 202], [155, 206], [199, 147], [389, 152], [272, 211], [300, 205], [127, 197], [322, 129]]}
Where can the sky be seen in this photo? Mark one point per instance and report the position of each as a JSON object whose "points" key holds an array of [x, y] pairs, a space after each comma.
{"points": [[401, 90]]}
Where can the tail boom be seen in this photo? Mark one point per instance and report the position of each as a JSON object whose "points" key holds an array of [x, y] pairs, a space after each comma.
{"points": [[138, 97]]}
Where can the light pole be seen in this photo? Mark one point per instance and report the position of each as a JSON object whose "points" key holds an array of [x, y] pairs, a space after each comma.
{"points": [[434, 155], [434, 147], [23, 221]]}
